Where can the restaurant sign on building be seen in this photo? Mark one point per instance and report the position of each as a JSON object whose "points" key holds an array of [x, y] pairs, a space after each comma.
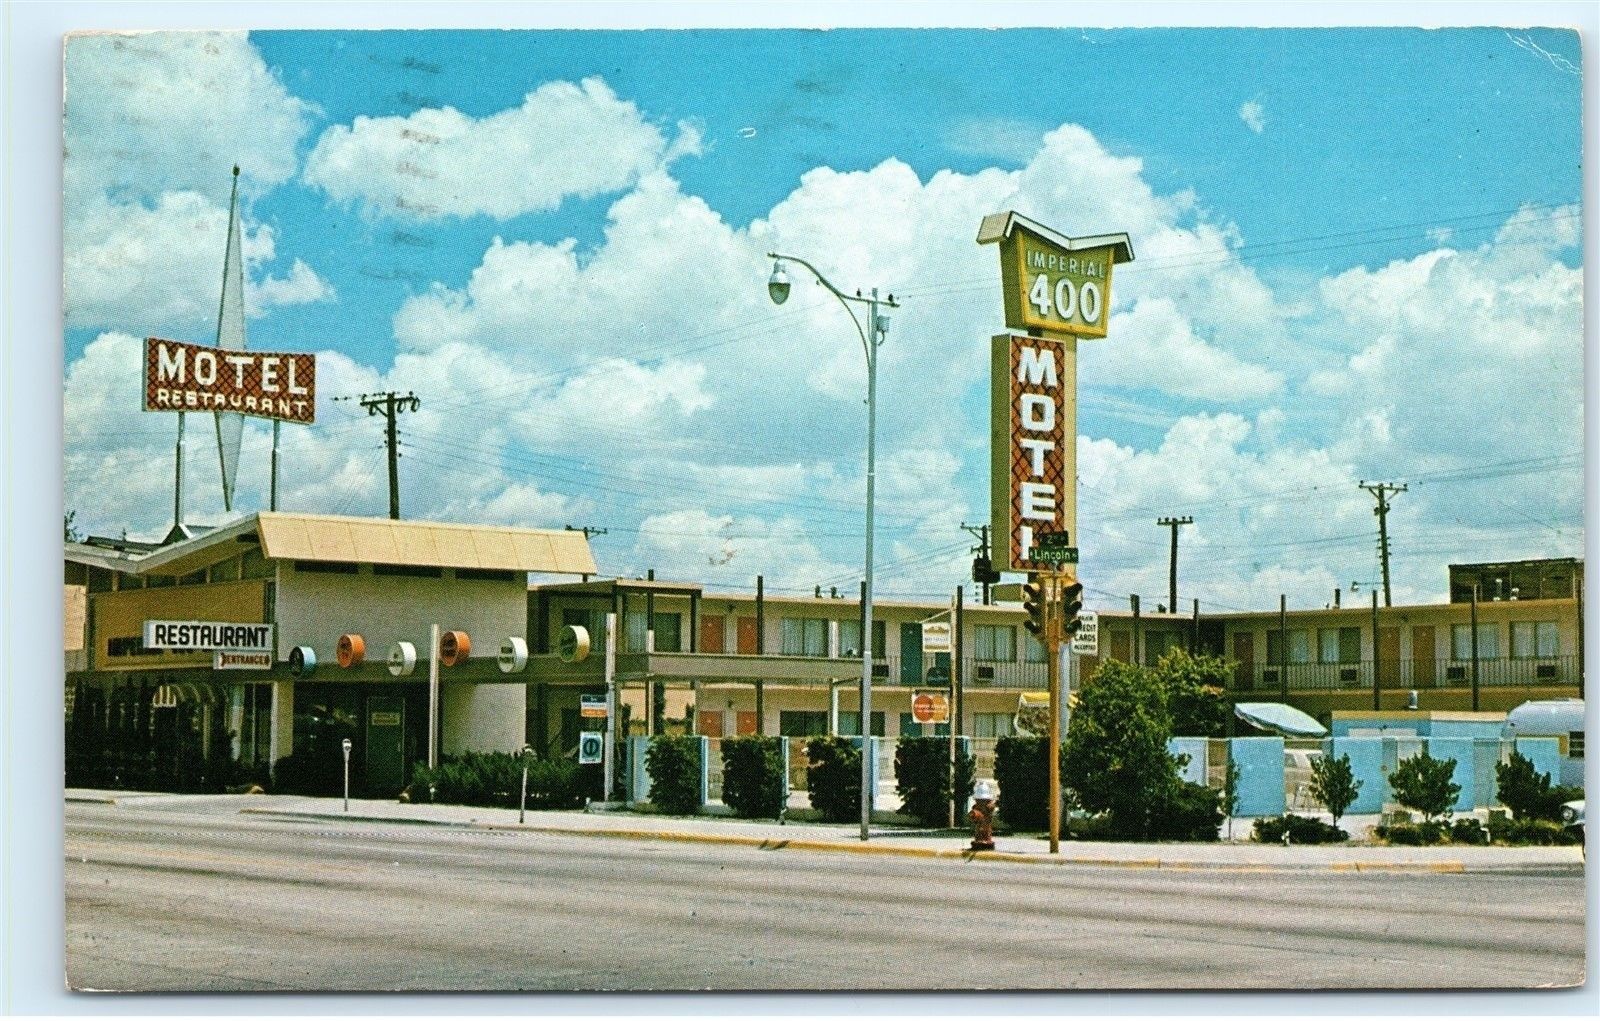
{"points": [[207, 636]]}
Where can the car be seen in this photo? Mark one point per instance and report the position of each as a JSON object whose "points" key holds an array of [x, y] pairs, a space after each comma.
{"points": [[1297, 775], [1572, 816]]}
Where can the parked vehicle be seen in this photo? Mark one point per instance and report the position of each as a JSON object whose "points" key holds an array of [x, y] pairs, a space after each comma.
{"points": [[1297, 776], [1572, 816]]}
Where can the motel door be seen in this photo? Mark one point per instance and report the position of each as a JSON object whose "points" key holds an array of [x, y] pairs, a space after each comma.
{"points": [[910, 652], [1244, 654], [1422, 653], [745, 723], [747, 636], [385, 740], [711, 633], [1388, 657]]}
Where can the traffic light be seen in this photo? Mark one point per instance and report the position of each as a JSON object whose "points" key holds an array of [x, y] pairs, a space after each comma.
{"points": [[983, 572], [1071, 604], [1033, 606]]}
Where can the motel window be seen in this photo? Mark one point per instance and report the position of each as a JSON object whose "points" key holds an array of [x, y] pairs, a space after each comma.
{"points": [[323, 567], [995, 643], [158, 581], [993, 724], [850, 638], [1534, 639], [228, 570], [669, 632], [1339, 645], [909, 727], [1159, 643], [1033, 650], [850, 723], [592, 621], [254, 564], [99, 579], [1575, 744], [406, 571], [481, 574], [804, 636], [193, 578], [1461, 641], [802, 723], [1299, 647], [635, 624]]}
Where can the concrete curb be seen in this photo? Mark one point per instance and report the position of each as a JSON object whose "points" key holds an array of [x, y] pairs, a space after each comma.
{"points": [[805, 844]]}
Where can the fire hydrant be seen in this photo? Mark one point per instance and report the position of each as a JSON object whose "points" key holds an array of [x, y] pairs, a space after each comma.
{"points": [[982, 816]]}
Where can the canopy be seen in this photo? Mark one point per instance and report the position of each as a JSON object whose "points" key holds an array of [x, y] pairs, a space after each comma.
{"points": [[1279, 718]]}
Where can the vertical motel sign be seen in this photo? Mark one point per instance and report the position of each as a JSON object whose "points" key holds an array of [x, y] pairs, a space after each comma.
{"points": [[1057, 289]]}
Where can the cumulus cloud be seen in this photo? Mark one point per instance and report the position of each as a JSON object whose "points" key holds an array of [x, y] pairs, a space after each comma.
{"points": [[301, 287], [1254, 115], [565, 140]]}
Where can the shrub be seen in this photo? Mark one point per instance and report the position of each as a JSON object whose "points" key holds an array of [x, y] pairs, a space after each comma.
{"points": [[1333, 784], [1301, 830], [1422, 782], [1425, 834], [833, 778], [1191, 811], [1022, 772], [753, 776], [1525, 790], [492, 779], [923, 781], [1468, 831], [1115, 756], [1539, 832], [674, 767], [1193, 687]]}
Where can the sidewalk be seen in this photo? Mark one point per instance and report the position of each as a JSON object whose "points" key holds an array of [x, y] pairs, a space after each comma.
{"points": [[1237, 856]]}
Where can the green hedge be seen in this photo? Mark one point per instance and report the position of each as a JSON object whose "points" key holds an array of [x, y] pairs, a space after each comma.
{"points": [[1190, 811], [833, 778], [753, 780], [923, 781], [1022, 771], [494, 779], [1301, 830], [1539, 832], [674, 767]]}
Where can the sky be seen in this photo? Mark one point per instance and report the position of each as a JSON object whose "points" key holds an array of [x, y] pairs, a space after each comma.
{"points": [[1358, 257]]}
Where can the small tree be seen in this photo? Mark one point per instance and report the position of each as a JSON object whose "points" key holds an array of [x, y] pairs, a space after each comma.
{"points": [[1023, 772], [922, 777], [674, 767], [1334, 784], [1526, 791], [1423, 783], [1116, 750], [833, 777], [1230, 793], [1193, 686], [753, 776]]}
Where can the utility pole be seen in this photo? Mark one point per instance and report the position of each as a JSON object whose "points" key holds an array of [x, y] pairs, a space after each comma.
{"points": [[983, 571], [1172, 562], [589, 532], [1382, 491], [389, 404]]}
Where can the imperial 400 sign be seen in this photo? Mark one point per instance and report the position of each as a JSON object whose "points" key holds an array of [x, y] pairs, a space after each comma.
{"points": [[1053, 284]]}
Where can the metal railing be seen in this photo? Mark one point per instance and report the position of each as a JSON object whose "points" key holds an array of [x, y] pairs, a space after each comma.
{"points": [[1405, 673]]}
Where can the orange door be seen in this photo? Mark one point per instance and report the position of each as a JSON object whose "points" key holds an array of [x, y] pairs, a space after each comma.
{"points": [[1422, 656], [710, 722], [1244, 654], [747, 636], [1388, 657], [746, 723], [711, 633]]}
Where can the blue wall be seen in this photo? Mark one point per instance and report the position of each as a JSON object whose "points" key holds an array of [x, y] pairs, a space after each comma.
{"points": [[1260, 762], [1195, 748], [1460, 749], [1366, 762]]}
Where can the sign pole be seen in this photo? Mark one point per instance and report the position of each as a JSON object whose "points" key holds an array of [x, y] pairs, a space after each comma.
{"points": [[1052, 630], [433, 698], [950, 724], [610, 760], [272, 503]]}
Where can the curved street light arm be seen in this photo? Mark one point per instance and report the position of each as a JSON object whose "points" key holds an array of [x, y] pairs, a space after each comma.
{"points": [[844, 299]]}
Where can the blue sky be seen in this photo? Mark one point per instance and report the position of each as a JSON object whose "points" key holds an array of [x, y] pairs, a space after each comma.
{"points": [[1358, 257]]}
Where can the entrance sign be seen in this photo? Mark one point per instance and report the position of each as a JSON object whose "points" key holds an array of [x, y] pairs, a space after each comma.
{"points": [[592, 707], [1053, 284], [591, 747], [241, 661], [930, 707], [206, 636], [936, 636], [1033, 458], [1087, 640], [191, 377]]}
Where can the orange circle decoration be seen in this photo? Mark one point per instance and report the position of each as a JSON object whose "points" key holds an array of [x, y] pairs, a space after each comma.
{"points": [[352, 650], [454, 647]]}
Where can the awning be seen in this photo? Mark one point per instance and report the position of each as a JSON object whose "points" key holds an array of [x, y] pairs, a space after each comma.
{"points": [[1281, 719]]}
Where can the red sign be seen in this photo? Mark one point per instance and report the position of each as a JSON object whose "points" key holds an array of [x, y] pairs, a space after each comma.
{"points": [[1033, 455], [930, 707], [266, 384]]}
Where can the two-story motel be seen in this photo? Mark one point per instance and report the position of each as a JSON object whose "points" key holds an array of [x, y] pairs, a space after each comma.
{"points": [[717, 663]]}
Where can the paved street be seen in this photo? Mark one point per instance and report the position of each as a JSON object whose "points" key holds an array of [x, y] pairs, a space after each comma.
{"points": [[187, 894]]}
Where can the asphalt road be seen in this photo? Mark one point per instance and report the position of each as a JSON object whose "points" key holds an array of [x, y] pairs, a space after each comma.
{"points": [[171, 895]]}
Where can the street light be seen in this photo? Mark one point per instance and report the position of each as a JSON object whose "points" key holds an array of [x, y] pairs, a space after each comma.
{"points": [[877, 325]]}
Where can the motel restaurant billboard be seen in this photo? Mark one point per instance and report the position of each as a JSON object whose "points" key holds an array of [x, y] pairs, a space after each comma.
{"points": [[191, 377]]}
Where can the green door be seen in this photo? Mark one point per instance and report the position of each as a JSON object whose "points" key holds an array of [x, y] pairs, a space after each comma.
{"points": [[385, 740], [910, 652]]}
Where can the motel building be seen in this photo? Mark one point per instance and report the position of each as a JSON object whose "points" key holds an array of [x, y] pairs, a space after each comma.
{"points": [[687, 659]]}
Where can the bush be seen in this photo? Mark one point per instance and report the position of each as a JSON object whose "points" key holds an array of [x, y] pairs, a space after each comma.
{"points": [[753, 776], [923, 781], [1526, 791], [1538, 832], [1193, 685], [1301, 829], [1468, 831], [1422, 782], [1425, 834], [674, 767], [1023, 773], [1115, 757], [833, 778], [1191, 811]]}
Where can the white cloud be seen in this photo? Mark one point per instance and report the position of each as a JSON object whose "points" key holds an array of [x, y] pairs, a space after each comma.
{"points": [[1155, 348], [301, 287], [1254, 115], [154, 112], [565, 140]]}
